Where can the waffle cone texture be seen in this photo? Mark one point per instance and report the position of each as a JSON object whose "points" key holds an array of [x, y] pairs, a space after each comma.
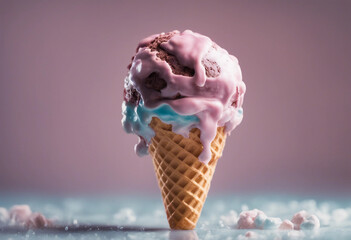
{"points": [[183, 179]]}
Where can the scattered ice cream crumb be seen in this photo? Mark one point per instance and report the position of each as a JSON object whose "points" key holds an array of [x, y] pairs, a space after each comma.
{"points": [[298, 218], [247, 219], [37, 220], [260, 220], [272, 223], [286, 225], [303, 220], [21, 216], [125, 216], [256, 219]]}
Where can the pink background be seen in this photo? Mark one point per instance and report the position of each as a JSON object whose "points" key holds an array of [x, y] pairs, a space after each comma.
{"points": [[62, 66]]}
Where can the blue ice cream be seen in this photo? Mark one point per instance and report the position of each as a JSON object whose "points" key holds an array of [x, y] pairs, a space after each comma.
{"points": [[136, 119]]}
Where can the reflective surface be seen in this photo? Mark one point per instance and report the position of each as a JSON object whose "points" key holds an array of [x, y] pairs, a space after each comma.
{"points": [[143, 217]]}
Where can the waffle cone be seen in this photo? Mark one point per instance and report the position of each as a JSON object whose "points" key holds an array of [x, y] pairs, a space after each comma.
{"points": [[184, 181]]}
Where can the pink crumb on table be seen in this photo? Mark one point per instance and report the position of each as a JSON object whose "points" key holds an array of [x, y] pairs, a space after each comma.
{"points": [[298, 218], [256, 219], [21, 216], [247, 219], [286, 225], [303, 220], [37, 220]]}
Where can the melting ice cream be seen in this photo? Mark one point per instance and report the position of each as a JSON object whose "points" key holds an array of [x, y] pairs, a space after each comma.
{"points": [[184, 79]]}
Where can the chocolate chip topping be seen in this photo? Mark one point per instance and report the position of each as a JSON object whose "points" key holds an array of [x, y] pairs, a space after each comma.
{"points": [[131, 95], [154, 81]]}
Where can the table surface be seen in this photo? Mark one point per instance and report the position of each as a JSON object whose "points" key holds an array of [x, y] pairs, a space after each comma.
{"points": [[143, 217]]}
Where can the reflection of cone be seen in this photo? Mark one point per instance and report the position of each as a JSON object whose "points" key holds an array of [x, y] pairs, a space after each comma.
{"points": [[184, 180], [183, 235]]}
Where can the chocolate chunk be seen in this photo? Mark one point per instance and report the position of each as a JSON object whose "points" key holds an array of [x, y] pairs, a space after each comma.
{"points": [[131, 95], [154, 81]]}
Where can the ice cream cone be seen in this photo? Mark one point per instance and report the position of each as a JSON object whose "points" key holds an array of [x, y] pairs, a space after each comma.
{"points": [[184, 181]]}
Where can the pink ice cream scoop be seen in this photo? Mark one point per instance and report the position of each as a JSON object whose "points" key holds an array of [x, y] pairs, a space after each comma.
{"points": [[187, 80]]}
